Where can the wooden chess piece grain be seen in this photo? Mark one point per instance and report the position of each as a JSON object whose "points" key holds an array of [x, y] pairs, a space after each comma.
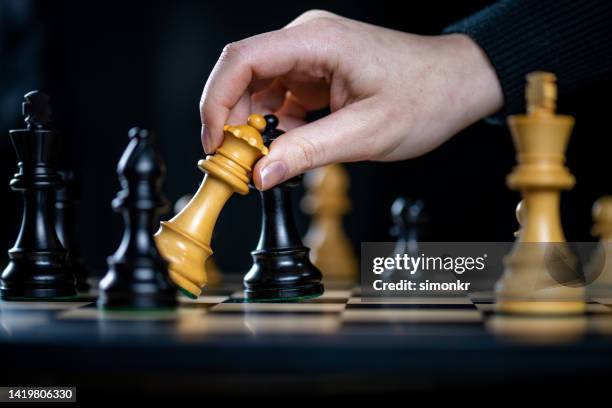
{"points": [[530, 283], [600, 266], [327, 201], [184, 241], [213, 273]]}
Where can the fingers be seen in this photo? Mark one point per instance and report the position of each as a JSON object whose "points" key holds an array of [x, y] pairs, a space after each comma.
{"points": [[269, 100], [264, 56], [341, 136], [292, 114]]}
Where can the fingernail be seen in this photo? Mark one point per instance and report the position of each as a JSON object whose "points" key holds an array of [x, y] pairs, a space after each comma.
{"points": [[206, 140], [273, 174]]}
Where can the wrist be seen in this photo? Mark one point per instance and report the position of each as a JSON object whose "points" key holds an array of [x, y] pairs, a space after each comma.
{"points": [[478, 85]]}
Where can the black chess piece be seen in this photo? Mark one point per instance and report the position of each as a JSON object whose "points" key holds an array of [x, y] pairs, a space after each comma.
{"points": [[281, 267], [408, 224], [138, 276], [37, 266], [65, 198]]}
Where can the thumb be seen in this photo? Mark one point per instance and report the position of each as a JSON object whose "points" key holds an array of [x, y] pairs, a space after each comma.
{"points": [[328, 140]]}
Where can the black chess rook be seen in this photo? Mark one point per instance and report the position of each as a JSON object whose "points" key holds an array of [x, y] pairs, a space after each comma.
{"points": [[281, 267], [137, 277], [37, 262]]}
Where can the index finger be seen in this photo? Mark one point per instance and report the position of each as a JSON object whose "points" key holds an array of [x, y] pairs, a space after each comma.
{"points": [[264, 56]]}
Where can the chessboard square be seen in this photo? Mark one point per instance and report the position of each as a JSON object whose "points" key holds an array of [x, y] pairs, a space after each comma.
{"points": [[91, 313], [604, 301], [212, 324], [203, 300], [238, 295], [278, 307], [600, 324], [336, 294], [596, 308], [412, 300], [412, 316], [485, 307], [413, 306], [19, 305], [482, 297]]}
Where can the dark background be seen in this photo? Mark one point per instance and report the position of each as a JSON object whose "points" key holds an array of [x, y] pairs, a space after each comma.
{"points": [[111, 65]]}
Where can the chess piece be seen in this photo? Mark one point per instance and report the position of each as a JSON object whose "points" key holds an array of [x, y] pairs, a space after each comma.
{"points": [[327, 201], [520, 217], [529, 284], [281, 266], [408, 224], [37, 266], [408, 219], [138, 276], [184, 241], [182, 203], [64, 226], [213, 273], [600, 266]]}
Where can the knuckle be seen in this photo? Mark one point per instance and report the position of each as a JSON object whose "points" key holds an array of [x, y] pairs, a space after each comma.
{"points": [[328, 25], [232, 50], [335, 30], [315, 14], [318, 18], [308, 152]]}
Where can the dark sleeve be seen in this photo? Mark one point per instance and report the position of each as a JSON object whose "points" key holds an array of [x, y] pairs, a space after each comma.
{"points": [[572, 38]]}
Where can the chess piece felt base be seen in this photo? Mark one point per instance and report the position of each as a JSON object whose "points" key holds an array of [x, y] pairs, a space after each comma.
{"points": [[40, 275], [153, 290], [283, 274]]}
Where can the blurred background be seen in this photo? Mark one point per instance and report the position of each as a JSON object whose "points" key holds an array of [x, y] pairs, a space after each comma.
{"points": [[110, 65]]}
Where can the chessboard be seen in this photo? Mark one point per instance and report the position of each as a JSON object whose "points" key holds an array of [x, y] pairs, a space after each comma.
{"points": [[335, 343]]}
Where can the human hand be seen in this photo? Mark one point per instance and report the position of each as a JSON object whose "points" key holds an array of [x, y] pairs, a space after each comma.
{"points": [[392, 95]]}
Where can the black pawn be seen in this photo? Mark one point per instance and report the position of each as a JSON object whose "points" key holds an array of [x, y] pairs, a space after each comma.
{"points": [[137, 277], [37, 262], [65, 198], [281, 265], [409, 221]]}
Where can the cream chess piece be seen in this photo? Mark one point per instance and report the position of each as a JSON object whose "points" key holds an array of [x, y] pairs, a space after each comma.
{"points": [[213, 273], [327, 201], [184, 241], [529, 284], [600, 266]]}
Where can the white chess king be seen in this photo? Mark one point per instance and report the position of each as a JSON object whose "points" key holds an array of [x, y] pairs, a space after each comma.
{"points": [[532, 283]]}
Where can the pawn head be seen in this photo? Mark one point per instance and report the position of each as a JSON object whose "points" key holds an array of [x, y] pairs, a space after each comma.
{"points": [[36, 109], [405, 212]]}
